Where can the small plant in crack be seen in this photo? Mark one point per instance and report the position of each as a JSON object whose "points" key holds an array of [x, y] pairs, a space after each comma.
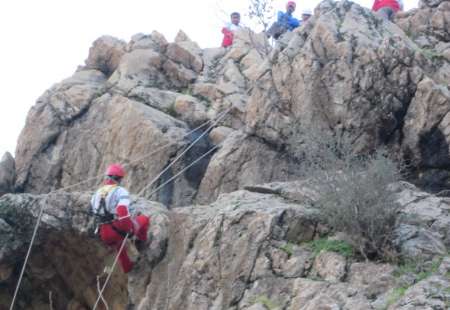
{"points": [[288, 248], [329, 245], [265, 301]]}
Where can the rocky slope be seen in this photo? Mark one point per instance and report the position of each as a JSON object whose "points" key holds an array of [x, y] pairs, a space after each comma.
{"points": [[346, 71], [247, 250]]}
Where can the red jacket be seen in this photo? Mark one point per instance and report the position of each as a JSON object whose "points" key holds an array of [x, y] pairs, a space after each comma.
{"points": [[393, 4], [227, 37]]}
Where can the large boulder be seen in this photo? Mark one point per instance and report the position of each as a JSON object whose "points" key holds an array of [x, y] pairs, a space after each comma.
{"points": [[215, 254], [105, 54], [56, 110], [243, 161], [427, 134], [140, 67], [7, 174], [155, 41]]}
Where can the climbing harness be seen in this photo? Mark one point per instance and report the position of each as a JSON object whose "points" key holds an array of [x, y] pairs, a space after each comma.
{"points": [[102, 212], [102, 215]]}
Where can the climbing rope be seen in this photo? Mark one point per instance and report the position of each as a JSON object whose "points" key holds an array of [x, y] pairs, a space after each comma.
{"points": [[100, 295], [41, 211], [183, 170], [221, 116]]}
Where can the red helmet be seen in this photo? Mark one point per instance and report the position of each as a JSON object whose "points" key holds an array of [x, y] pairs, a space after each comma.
{"points": [[291, 3], [115, 170]]}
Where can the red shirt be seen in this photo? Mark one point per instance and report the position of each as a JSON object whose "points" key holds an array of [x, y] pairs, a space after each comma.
{"points": [[393, 4], [227, 37]]}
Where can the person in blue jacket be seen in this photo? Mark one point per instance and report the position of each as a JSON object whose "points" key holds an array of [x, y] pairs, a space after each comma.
{"points": [[285, 21]]}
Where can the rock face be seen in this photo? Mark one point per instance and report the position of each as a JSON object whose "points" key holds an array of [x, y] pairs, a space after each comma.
{"points": [[346, 71], [248, 250], [7, 174]]}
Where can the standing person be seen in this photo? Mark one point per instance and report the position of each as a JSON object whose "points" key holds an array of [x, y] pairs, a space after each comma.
{"points": [[286, 18], [285, 21], [111, 205], [230, 28], [387, 8]]}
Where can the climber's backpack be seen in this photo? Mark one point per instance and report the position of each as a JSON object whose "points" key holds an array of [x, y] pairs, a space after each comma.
{"points": [[101, 214]]}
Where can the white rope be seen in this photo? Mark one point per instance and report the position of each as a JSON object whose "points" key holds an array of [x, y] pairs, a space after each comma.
{"points": [[184, 152], [183, 170], [100, 293], [110, 272], [50, 300], [169, 262], [41, 211]]}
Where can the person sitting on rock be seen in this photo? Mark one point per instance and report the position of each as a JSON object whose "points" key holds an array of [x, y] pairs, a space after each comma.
{"points": [[230, 28], [285, 21], [111, 206], [387, 8], [306, 14]]}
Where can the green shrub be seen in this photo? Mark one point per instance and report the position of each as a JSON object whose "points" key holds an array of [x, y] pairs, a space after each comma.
{"points": [[353, 194]]}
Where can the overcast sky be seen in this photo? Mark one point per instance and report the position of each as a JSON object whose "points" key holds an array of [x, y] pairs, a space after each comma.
{"points": [[43, 41]]}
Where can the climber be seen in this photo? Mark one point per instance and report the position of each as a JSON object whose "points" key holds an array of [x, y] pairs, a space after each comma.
{"points": [[306, 14], [387, 8], [111, 206], [285, 22], [230, 28]]}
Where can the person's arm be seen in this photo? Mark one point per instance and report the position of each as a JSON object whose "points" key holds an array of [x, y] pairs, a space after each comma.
{"points": [[280, 17], [123, 220]]}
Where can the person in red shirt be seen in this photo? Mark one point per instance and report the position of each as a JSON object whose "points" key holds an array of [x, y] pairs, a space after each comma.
{"points": [[387, 8], [230, 28]]}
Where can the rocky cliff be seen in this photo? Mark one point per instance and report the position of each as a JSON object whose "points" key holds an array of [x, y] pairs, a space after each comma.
{"points": [[376, 83]]}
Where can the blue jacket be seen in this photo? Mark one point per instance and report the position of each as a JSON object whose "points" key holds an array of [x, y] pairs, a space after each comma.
{"points": [[288, 21]]}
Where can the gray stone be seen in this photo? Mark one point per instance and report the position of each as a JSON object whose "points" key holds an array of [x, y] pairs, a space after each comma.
{"points": [[105, 54], [7, 174], [330, 266]]}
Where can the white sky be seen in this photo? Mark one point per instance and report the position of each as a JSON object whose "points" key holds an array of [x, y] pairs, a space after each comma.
{"points": [[43, 41]]}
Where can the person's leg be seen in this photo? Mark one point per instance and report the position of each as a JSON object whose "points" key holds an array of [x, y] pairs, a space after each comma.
{"points": [[124, 260], [108, 235], [141, 228], [111, 238]]}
